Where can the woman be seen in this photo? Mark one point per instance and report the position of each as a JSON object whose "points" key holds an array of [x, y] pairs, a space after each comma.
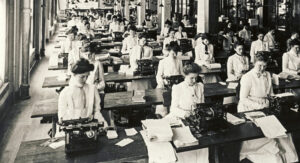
{"points": [[166, 29], [180, 34], [256, 86], [258, 45], [167, 40], [170, 65], [237, 66], [229, 40], [185, 96], [204, 55], [70, 43], [139, 52], [130, 41], [79, 99], [291, 59]]}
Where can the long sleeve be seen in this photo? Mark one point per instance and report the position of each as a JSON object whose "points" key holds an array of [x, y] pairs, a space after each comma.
{"points": [[159, 75], [175, 108], [285, 65], [124, 47], [101, 84], [62, 106], [202, 100], [230, 70], [97, 108], [197, 52], [252, 52]]}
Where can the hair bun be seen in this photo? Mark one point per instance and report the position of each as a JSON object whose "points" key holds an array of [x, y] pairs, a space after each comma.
{"points": [[82, 66]]}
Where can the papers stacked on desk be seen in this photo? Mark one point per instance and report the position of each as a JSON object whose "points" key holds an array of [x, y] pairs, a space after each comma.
{"points": [[183, 137], [233, 119], [159, 151], [270, 126], [158, 130], [213, 66], [254, 115]]}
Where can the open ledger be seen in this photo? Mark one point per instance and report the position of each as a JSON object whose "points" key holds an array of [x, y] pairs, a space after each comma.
{"points": [[157, 130], [270, 126]]}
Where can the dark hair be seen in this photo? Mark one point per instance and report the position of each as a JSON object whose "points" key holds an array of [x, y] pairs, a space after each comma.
{"points": [[260, 32], [86, 23], [120, 20], [181, 25], [132, 27], [82, 66], [173, 45], [73, 30], [191, 68], [205, 36], [263, 56], [293, 33], [114, 17], [238, 43], [168, 22], [294, 42], [171, 29], [228, 31]]}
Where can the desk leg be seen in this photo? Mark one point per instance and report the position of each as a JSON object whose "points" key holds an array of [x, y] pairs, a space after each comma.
{"points": [[53, 128], [216, 154], [111, 117]]}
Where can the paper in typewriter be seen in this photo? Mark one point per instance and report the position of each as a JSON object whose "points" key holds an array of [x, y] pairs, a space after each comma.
{"points": [[158, 130], [271, 127], [159, 152], [183, 137]]}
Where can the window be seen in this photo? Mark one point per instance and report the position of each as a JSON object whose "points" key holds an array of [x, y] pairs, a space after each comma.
{"points": [[2, 39], [32, 25]]}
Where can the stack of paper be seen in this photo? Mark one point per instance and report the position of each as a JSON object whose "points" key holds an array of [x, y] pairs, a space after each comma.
{"points": [[270, 126], [213, 66], [233, 119], [183, 137], [159, 151], [158, 130], [254, 115], [286, 94]]}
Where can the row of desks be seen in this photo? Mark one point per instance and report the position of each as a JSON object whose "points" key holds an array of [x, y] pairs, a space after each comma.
{"points": [[31, 151]]}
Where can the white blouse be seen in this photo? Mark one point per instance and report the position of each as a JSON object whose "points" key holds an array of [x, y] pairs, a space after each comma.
{"points": [[256, 46], [138, 53], [96, 76], [180, 35], [128, 43], [184, 98], [168, 66], [291, 62], [235, 66], [79, 101], [255, 88], [200, 57]]}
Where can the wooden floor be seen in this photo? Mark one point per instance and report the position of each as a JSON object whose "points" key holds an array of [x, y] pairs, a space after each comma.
{"points": [[17, 125]]}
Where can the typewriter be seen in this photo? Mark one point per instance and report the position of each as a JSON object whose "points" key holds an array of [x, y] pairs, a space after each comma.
{"points": [[117, 36], [64, 58], [81, 134], [185, 45], [171, 80], [207, 118], [280, 105], [145, 67]]}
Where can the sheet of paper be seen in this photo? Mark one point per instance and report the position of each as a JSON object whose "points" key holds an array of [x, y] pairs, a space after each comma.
{"points": [[286, 94], [130, 132], [254, 115], [270, 126], [111, 134], [124, 142], [233, 119], [57, 144], [232, 85], [183, 137], [222, 83]]}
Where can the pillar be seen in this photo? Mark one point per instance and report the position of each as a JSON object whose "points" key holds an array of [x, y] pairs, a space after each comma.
{"points": [[207, 16], [36, 28], [141, 12], [126, 10], [25, 53], [42, 52], [165, 12]]}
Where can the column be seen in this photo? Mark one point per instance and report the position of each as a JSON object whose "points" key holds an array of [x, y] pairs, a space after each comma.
{"points": [[126, 10], [141, 12], [42, 52], [165, 12], [25, 53], [207, 16], [37, 12]]}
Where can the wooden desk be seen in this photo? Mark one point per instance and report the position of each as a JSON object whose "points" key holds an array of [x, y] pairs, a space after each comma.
{"points": [[31, 151], [50, 82]]}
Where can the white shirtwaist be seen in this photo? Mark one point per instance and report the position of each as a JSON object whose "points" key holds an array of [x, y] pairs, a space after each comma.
{"points": [[291, 62], [184, 98], [256, 46], [262, 150], [128, 43]]}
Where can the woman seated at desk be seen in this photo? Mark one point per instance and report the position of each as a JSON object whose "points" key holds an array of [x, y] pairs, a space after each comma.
{"points": [[79, 99], [70, 42], [78, 52], [229, 40], [256, 86], [166, 30], [117, 27], [204, 55], [88, 31], [167, 40], [185, 96], [258, 45], [291, 59], [170, 65], [139, 52], [237, 66], [180, 34], [130, 41]]}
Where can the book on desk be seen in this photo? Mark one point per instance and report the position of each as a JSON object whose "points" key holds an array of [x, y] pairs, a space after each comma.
{"points": [[138, 96]]}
